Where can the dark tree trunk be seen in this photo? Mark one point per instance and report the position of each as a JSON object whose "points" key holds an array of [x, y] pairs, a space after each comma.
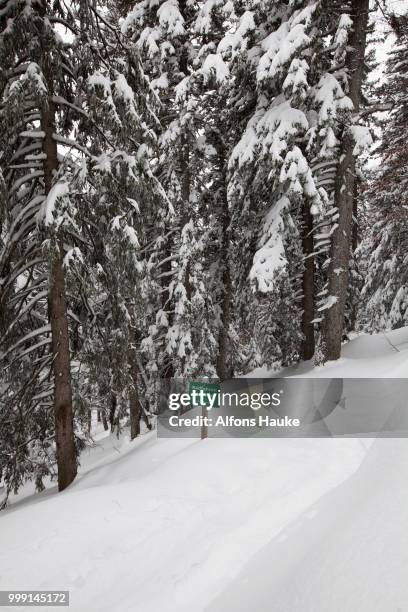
{"points": [[354, 245], [165, 271], [57, 312], [223, 367], [64, 430], [135, 411], [344, 190], [105, 422], [186, 212], [185, 194], [112, 412], [135, 408], [223, 358], [354, 242], [146, 419], [185, 173], [308, 345]]}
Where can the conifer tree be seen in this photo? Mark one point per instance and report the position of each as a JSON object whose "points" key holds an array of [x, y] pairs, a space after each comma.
{"points": [[181, 338], [37, 183], [344, 193], [272, 186], [75, 149], [385, 291]]}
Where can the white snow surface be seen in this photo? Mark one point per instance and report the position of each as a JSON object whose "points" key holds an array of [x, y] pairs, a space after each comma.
{"points": [[226, 525], [382, 355]]}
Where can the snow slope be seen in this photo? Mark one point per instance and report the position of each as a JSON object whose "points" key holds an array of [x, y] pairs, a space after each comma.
{"points": [[225, 524], [166, 525], [349, 551], [383, 355]]}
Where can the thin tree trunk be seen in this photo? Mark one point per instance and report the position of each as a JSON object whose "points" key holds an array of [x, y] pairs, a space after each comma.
{"points": [[354, 242], [185, 173], [166, 302], [57, 309], [185, 194], [105, 422], [135, 408], [185, 216], [223, 368], [308, 345], [146, 420], [354, 245], [344, 190], [112, 412], [135, 411], [145, 408]]}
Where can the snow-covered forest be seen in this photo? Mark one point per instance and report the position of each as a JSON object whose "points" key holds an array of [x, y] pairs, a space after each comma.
{"points": [[200, 190], [189, 188]]}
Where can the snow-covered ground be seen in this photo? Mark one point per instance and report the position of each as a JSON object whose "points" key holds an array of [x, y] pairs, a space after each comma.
{"points": [[347, 552], [226, 525], [383, 355]]}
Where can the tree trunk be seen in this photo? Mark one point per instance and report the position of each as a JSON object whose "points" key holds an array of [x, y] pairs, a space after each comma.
{"points": [[354, 245], [135, 411], [223, 368], [105, 422], [344, 190], [308, 345], [185, 173], [185, 216], [135, 408], [57, 312], [185, 195], [166, 302], [64, 428], [354, 242], [112, 412]]}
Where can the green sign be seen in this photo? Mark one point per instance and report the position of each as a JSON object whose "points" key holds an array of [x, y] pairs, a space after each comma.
{"points": [[204, 394]]}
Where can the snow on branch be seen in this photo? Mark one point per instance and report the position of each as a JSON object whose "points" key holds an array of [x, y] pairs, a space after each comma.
{"points": [[270, 257], [47, 213]]}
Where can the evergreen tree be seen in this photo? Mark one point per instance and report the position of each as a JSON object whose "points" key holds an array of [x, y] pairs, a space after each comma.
{"points": [[38, 186], [274, 187], [352, 137], [75, 147], [385, 292], [181, 337]]}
